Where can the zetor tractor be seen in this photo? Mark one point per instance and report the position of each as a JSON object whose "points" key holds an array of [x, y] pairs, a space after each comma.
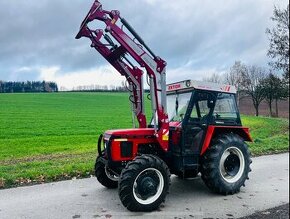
{"points": [[195, 126]]}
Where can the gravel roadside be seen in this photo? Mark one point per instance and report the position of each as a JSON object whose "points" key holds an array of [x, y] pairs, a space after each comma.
{"points": [[280, 212]]}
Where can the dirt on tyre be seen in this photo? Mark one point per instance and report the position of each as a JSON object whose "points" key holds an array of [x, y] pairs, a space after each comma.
{"points": [[144, 183], [226, 164], [104, 175]]}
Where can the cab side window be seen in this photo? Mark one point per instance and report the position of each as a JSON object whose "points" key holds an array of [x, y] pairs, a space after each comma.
{"points": [[202, 106], [194, 114], [226, 109]]}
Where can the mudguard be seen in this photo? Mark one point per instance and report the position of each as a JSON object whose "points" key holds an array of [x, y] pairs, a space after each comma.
{"points": [[213, 131]]}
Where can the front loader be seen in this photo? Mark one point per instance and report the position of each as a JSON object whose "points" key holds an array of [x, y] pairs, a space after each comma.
{"points": [[195, 126]]}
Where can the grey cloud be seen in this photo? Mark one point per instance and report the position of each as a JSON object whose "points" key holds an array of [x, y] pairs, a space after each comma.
{"points": [[207, 34], [42, 33], [24, 75]]}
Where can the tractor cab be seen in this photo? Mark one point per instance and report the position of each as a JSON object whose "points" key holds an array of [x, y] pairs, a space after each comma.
{"points": [[193, 108], [202, 103]]}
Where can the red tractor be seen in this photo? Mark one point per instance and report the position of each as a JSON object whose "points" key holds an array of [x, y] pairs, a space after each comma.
{"points": [[195, 126]]}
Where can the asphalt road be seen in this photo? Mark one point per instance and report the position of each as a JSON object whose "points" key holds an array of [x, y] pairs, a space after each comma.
{"points": [[268, 187]]}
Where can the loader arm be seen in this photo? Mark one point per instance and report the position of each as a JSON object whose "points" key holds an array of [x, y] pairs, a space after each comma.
{"points": [[119, 52]]}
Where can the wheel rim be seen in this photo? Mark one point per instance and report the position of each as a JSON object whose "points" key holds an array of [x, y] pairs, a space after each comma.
{"points": [[232, 164], [148, 186], [110, 174]]}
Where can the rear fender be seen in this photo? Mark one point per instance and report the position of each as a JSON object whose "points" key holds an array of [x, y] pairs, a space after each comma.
{"points": [[214, 131]]}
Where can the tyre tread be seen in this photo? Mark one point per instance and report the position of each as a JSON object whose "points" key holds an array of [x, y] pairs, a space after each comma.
{"points": [[210, 164], [102, 176], [127, 178]]}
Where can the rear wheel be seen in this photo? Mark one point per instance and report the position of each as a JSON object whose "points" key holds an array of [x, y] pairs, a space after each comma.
{"points": [[144, 183], [104, 175], [226, 164]]}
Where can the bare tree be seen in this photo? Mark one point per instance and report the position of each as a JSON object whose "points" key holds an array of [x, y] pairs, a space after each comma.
{"points": [[215, 78], [271, 84], [275, 90], [252, 85], [279, 40], [234, 77]]}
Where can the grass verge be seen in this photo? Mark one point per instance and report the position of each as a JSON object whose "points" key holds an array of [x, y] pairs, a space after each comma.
{"points": [[270, 135], [50, 137]]}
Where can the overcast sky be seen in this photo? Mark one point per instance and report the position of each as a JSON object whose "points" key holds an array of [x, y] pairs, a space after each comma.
{"points": [[195, 37]]}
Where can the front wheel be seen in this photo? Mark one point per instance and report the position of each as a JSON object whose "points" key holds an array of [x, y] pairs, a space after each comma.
{"points": [[144, 183], [226, 164], [104, 175]]}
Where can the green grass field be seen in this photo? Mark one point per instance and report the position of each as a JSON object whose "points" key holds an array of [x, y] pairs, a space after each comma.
{"points": [[46, 137]]}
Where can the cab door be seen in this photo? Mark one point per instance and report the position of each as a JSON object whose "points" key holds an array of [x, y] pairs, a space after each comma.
{"points": [[196, 121]]}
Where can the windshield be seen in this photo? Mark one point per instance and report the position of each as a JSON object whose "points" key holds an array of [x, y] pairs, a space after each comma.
{"points": [[177, 105]]}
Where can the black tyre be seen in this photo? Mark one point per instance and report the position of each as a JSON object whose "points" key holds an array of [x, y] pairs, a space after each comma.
{"points": [[144, 183], [226, 164], [105, 175]]}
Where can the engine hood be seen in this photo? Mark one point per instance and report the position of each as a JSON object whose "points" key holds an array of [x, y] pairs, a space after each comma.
{"points": [[125, 133]]}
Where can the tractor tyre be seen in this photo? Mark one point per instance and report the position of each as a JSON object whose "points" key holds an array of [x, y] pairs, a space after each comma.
{"points": [[226, 164], [104, 175], [144, 183]]}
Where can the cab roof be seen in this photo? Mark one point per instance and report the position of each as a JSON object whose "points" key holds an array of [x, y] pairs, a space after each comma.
{"points": [[200, 85]]}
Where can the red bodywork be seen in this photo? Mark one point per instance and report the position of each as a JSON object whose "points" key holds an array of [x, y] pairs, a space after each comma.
{"points": [[137, 136], [146, 136], [215, 130]]}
